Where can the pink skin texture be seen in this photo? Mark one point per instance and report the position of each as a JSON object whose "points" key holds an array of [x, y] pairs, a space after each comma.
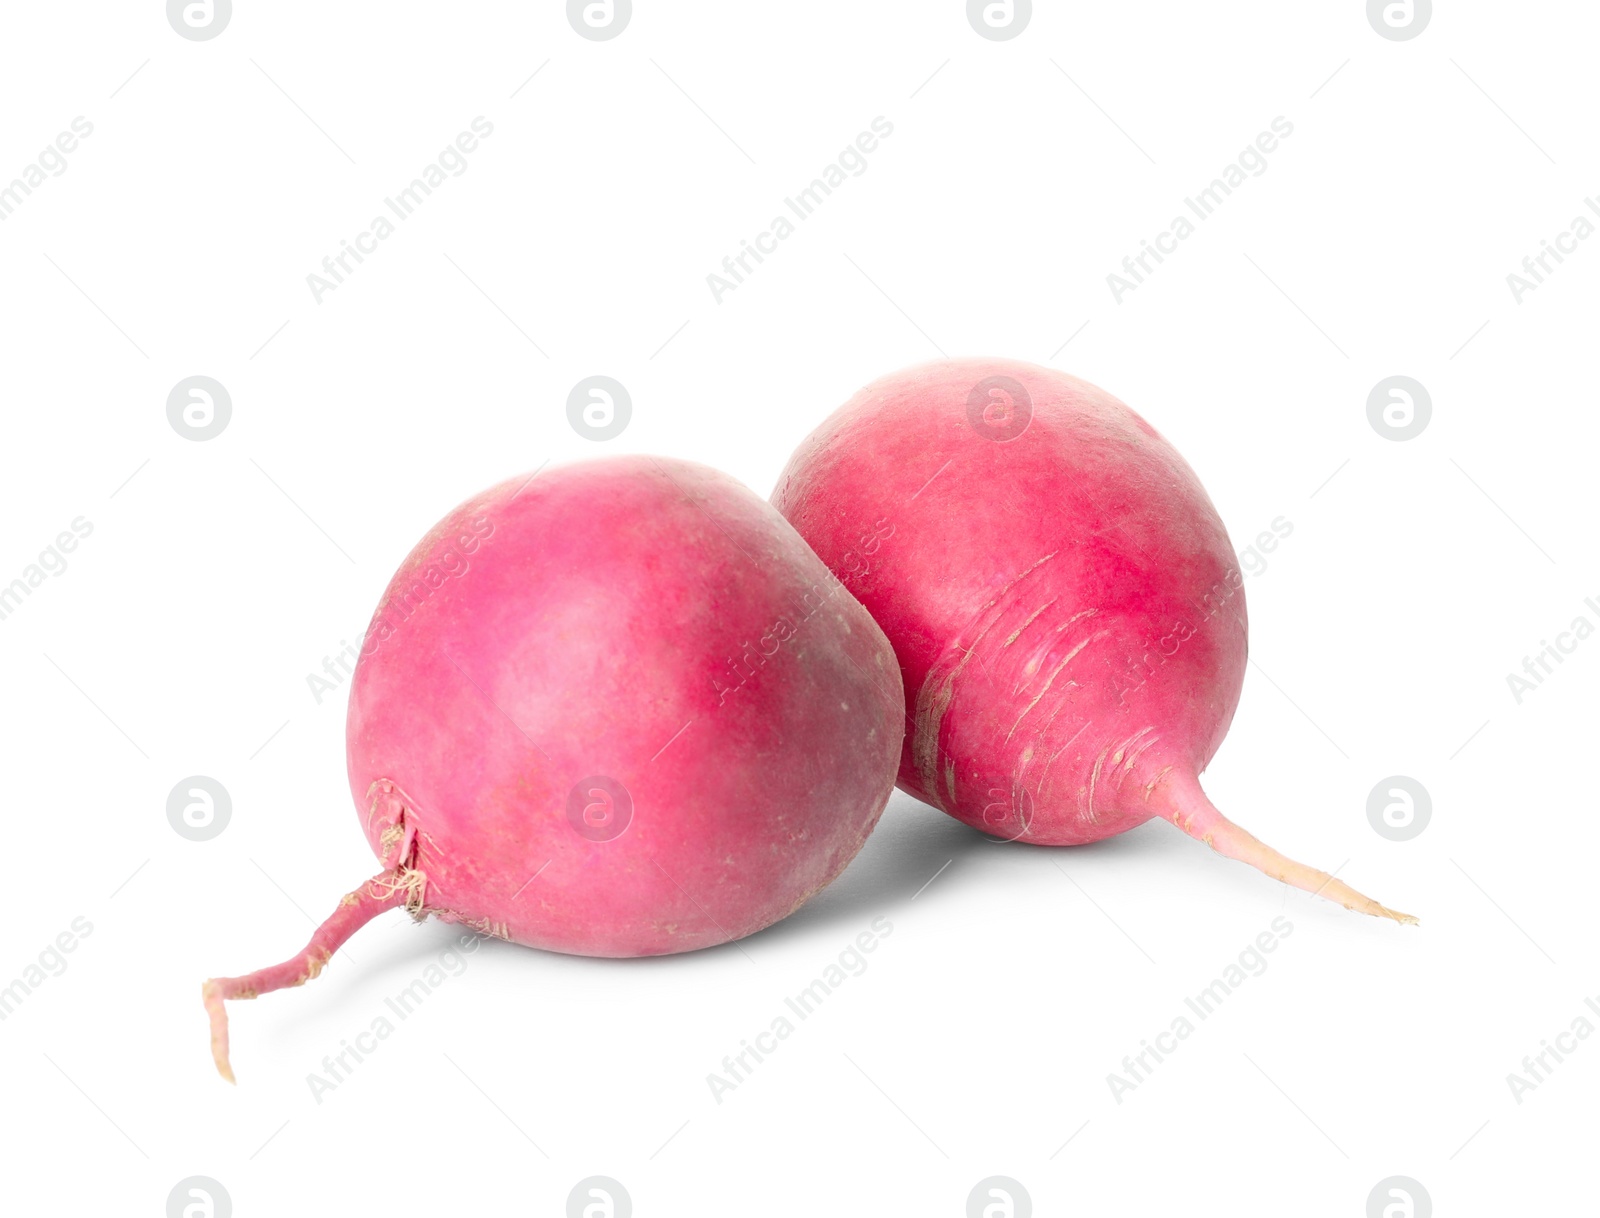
{"points": [[615, 709], [1065, 605]]}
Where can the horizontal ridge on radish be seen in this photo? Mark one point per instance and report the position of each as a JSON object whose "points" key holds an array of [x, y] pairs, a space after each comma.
{"points": [[1062, 597]]}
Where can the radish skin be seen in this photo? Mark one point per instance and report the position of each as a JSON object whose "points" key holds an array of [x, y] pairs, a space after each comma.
{"points": [[615, 709], [1062, 597]]}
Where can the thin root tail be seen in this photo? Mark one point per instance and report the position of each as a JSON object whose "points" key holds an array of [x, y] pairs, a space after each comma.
{"points": [[395, 887], [1185, 805]]}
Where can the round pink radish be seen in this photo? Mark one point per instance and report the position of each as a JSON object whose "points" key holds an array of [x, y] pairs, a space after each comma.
{"points": [[617, 709], [1060, 593]]}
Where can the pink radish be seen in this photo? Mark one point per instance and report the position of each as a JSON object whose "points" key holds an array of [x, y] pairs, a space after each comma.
{"points": [[1061, 595], [617, 709]]}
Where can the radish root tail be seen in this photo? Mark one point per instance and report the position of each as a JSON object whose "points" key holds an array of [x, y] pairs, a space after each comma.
{"points": [[1185, 805], [398, 886]]}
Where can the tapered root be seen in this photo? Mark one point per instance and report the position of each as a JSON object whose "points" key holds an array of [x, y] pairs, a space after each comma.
{"points": [[392, 888], [1185, 805]]}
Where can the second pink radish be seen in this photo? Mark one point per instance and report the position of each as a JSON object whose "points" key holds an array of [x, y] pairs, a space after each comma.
{"points": [[1061, 595]]}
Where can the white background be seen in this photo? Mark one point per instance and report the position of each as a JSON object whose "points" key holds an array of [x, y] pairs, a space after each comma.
{"points": [[219, 574]]}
